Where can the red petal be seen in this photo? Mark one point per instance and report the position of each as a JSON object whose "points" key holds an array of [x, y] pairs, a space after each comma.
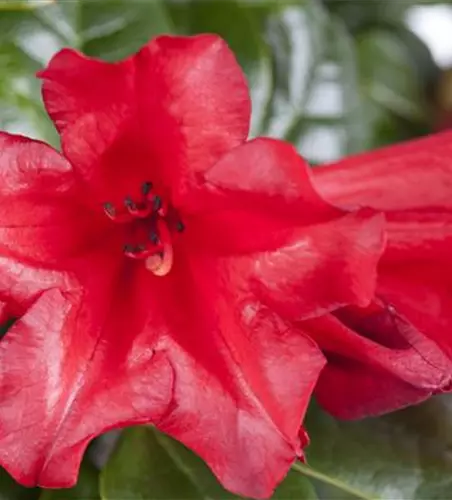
{"points": [[164, 115], [405, 176], [236, 358], [412, 182], [63, 381], [138, 356], [323, 268], [41, 218], [377, 362], [76, 85], [422, 294], [313, 257]]}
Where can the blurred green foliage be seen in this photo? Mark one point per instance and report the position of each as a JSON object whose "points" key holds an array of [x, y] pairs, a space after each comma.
{"points": [[333, 77]]}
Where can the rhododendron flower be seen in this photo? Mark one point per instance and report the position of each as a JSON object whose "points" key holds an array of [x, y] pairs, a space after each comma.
{"points": [[398, 350], [164, 245]]}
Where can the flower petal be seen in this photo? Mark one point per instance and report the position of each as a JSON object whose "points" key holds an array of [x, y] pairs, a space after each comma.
{"points": [[410, 175], [236, 358], [131, 353], [62, 382], [76, 85], [174, 108], [310, 256], [412, 183], [377, 362], [323, 268], [421, 293], [41, 218]]}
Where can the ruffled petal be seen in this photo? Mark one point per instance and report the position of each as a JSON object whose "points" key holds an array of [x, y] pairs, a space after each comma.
{"points": [[70, 370], [406, 176], [423, 295], [76, 85], [164, 115], [42, 218], [236, 358], [324, 267], [376, 362], [310, 257], [118, 346], [412, 184]]}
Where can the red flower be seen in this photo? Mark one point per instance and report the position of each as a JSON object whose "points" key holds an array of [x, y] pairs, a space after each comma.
{"points": [[397, 351], [162, 243]]}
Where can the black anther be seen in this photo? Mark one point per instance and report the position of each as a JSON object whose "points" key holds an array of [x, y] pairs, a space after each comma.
{"points": [[128, 202], [157, 203], [129, 248], [146, 188], [180, 226], [109, 208], [153, 237]]}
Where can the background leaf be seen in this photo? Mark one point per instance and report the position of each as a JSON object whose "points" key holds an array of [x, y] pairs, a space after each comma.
{"points": [[405, 455], [10, 490], [148, 465]]}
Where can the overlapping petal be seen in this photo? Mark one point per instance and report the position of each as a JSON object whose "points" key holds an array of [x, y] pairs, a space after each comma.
{"points": [[315, 257], [412, 184], [377, 362], [42, 215], [177, 368], [405, 176], [62, 383], [252, 368], [165, 114], [112, 344]]}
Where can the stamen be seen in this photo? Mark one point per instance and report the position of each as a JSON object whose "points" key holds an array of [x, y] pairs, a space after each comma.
{"points": [[159, 218], [157, 203], [129, 203], [160, 263], [153, 237], [110, 210], [146, 188]]}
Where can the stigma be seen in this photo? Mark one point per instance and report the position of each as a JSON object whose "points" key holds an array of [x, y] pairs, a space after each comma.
{"points": [[155, 221]]}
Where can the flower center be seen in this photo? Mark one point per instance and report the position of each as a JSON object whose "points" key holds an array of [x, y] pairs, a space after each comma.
{"points": [[153, 221]]}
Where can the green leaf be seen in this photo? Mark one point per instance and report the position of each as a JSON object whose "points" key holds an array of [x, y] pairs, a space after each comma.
{"points": [[110, 30], [10, 490], [314, 102], [295, 486], [148, 465], [28, 38], [87, 487], [141, 467], [21, 110], [402, 455], [22, 4], [387, 75]]}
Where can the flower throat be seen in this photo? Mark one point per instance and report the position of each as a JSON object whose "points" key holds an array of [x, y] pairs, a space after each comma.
{"points": [[157, 220]]}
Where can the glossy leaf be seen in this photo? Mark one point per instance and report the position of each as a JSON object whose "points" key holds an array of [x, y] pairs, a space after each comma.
{"points": [[10, 490], [28, 38], [394, 66], [110, 32], [87, 487], [148, 465], [8, 5], [315, 84], [20, 108], [402, 455]]}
